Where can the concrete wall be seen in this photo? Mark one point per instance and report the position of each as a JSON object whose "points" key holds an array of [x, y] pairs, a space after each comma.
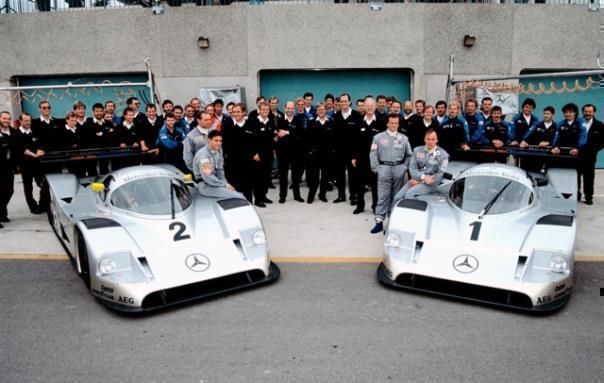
{"points": [[246, 39]]}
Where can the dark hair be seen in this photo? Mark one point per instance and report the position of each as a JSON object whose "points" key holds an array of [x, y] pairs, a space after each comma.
{"points": [[128, 109], [260, 98], [109, 102], [230, 103], [529, 102], [549, 109], [166, 102], [496, 108], [395, 101], [214, 133], [69, 115], [381, 97], [430, 131], [486, 99], [393, 115], [218, 101], [130, 100], [360, 100], [589, 106], [170, 115], [239, 105], [471, 100], [79, 104], [150, 106], [570, 107], [345, 94], [421, 102], [441, 102], [308, 94], [43, 102], [329, 96], [178, 107], [97, 105], [23, 115]]}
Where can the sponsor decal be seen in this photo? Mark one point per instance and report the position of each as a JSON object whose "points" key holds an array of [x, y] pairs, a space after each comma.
{"points": [[125, 300], [544, 299], [465, 263], [420, 155], [104, 293], [197, 262]]}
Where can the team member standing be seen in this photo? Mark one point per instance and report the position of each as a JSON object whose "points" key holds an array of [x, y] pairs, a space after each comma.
{"points": [[197, 138], [390, 155], [71, 140], [421, 126], [170, 144], [237, 140], [31, 151], [541, 134], [149, 134], [496, 132], [346, 124], [290, 152], [427, 168], [441, 112], [127, 137], [474, 119], [524, 120], [368, 128], [571, 133], [47, 127], [486, 104], [209, 169], [320, 138], [8, 163], [453, 132], [595, 142], [263, 154]]}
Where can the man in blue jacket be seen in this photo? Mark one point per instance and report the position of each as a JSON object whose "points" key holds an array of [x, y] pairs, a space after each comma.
{"points": [[170, 143]]}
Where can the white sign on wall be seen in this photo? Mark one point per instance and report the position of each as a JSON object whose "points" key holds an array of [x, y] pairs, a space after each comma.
{"points": [[507, 101]]}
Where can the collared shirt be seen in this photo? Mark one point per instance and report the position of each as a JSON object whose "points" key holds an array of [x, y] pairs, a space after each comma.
{"points": [[440, 119], [128, 126], [73, 130], [152, 122], [392, 134], [203, 130], [289, 119], [547, 124], [98, 122], [261, 120], [42, 119], [527, 119], [240, 124], [369, 121], [587, 123], [407, 116], [24, 131], [322, 121], [81, 122], [345, 115]]}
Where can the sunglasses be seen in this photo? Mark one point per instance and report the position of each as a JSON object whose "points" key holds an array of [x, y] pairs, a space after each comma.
{"points": [[46, 107]]}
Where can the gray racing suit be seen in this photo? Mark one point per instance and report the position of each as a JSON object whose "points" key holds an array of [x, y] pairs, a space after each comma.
{"points": [[193, 142], [424, 163], [389, 158], [209, 170]]}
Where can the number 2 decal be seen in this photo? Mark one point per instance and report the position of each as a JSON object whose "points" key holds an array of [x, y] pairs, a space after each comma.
{"points": [[179, 236], [475, 230]]}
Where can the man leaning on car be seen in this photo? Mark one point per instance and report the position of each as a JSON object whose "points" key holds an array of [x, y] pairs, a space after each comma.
{"points": [[427, 168]]}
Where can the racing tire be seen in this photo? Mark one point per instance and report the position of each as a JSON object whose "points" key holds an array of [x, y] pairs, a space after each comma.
{"points": [[83, 258]]}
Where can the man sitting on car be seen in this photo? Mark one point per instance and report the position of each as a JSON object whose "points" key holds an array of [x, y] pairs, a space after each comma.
{"points": [[209, 170], [427, 168]]}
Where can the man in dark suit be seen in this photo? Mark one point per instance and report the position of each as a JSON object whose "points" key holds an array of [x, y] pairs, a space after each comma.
{"points": [[346, 123], [30, 152], [595, 142], [8, 163]]}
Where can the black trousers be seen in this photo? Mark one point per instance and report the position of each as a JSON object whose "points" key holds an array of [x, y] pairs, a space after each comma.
{"points": [[294, 160], [233, 172], [367, 178], [587, 171], [317, 175], [7, 182], [343, 165], [253, 181], [32, 173]]}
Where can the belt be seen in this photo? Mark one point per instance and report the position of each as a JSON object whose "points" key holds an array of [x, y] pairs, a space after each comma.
{"points": [[391, 163]]}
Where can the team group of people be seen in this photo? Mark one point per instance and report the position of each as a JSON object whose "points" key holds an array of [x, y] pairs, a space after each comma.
{"points": [[395, 149]]}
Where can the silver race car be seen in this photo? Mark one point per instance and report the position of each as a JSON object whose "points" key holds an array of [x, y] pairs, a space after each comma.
{"points": [[492, 233], [143, 238]]}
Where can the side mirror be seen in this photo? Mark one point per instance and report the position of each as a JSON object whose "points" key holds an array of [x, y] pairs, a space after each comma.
{"points": [[97, 187], [448, 176], [541, 181]]}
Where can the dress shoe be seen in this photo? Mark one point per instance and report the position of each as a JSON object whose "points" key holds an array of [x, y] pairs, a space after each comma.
{"points": [[1, 226], [589, 201], [323, 198], [579, 196], [310, 199], [299, 199], [353, 201], [271, 186], [281, 200], [260, 204], [379, 227], [37, 211], [266, 200], [339, 199], [4, 219], [358, 210]]}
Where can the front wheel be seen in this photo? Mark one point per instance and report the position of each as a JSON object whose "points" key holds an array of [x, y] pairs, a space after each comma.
{"points": [[83, 258]]}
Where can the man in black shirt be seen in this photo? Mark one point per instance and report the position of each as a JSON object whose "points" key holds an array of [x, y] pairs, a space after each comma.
{"points": [[320, 148], [262, 126], [30, 151], [127, 134], [8, 162], [134, 104], [346, 123], [149, 133], [290, 152], [237, 146], [595, 143]]}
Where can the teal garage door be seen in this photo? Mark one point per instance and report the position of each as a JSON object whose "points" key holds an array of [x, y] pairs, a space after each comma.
{"points": [[62, 100], [289, 85], [559, 91]]}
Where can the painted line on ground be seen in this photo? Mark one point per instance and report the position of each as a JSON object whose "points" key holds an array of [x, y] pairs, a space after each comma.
{"points": [[315, 260]]}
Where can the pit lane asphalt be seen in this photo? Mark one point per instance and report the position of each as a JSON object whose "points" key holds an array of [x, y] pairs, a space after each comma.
{"points": [[319, 323]]}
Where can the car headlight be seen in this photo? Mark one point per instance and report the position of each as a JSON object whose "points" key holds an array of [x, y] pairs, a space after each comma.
{"points": [[107, 266], [393, 240], [259, 237], [558, 264]]}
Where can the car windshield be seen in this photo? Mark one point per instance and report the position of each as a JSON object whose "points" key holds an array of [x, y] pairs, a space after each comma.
{"points": [[489, 195], [152, 196]]}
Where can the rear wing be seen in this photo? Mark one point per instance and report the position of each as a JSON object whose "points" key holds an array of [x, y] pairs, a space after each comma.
{"points": [[90, 154]]}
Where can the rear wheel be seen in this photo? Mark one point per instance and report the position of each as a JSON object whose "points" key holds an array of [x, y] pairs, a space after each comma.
{"points": [[83, 258]]}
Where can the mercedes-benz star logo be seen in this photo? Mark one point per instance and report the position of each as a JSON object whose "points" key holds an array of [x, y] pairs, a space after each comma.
{"points": [[465, 263], [197, 262]]}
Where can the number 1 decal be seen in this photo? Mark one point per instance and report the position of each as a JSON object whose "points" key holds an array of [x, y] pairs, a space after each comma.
{"points": [[179, 236], [475, 230]]}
